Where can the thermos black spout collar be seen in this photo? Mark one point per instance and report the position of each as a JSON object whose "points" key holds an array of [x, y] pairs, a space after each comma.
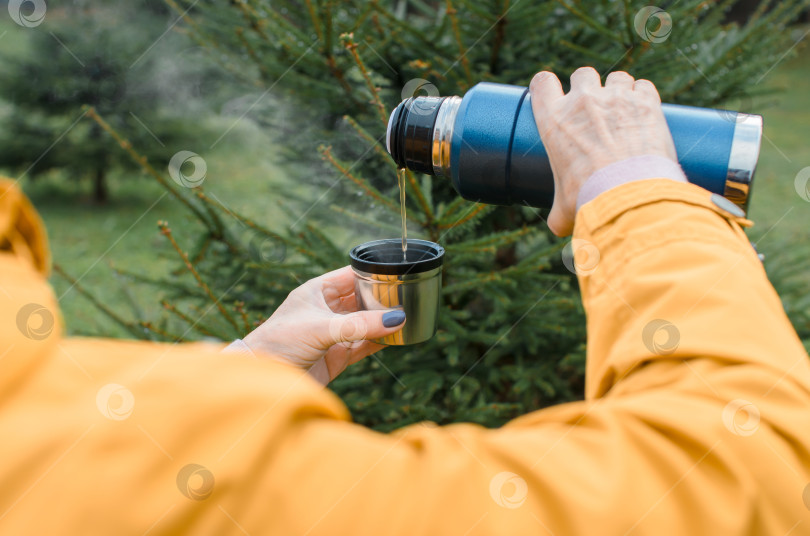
{"points": [[419, 133]]}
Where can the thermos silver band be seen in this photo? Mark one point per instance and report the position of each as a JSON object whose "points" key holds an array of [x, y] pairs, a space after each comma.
{"points": [[443, 135], [409, 137], [742, 160]]}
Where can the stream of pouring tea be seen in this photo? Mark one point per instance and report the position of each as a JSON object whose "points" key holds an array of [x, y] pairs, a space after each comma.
{"points": [[401, 180]]}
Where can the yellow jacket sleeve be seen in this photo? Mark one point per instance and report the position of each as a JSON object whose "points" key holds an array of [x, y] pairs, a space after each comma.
{"points": [[695, 419]]}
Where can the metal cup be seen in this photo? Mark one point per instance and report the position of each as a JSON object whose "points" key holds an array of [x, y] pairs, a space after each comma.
{"points": [[386, 280]]}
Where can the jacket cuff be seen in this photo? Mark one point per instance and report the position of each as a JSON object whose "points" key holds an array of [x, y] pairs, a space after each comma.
{"points": [[318, 370], [629, 170], [628, 196], [238, 347]]}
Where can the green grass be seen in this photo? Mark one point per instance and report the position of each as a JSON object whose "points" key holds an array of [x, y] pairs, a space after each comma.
{"points": [[778, 211], [87, 238], [780, 215]]}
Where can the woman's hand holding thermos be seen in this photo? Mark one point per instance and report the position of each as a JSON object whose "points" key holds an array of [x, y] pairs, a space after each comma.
{"points": [[594, 127]]}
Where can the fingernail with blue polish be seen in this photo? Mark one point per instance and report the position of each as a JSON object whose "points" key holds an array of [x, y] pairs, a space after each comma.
{"points": [[393, 318]]}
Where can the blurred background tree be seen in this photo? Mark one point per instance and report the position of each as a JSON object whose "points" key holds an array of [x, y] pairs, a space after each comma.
{"points": [[511, 335], [95, 57]]}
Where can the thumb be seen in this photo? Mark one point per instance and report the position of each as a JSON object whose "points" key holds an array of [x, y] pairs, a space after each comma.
{"points": [[363, 325], [559, 221]]}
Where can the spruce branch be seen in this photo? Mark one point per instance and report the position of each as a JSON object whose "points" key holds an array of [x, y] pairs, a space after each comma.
{"points": [[325, 34], [378, 148], [348, 42], [316, 22], [420, 197], [375, 20], [196, 325], [129, 294], [426, 70], [288, 36], [590, 21], [586, 51], [218, 228], [760, 11], [251, 52], [285, 26], [166, 231], [628, 23], [464, 219], [144, 163], [326, 245], [498, 38], [445, 211], [185, 290], [323, 255], [361, 19], [209, 44], [240, 308], [244, 220], [198, 257], [185, 16], [326, 154], [163, 334], [252, 18], [465, 62], [130, 327], [409, 29], [492, 242], [365, 220]]}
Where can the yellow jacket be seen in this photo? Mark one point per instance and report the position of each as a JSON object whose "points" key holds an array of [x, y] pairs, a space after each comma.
{"points": [[696, 418]]}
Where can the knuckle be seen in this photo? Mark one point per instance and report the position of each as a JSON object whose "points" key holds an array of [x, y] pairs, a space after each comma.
{"points": [[302, 290], [355, 327], [646, 86], [586, 70], [647, 106], [620, 75], [577, 98], [582, 99], [541, 77], [294, 293]]}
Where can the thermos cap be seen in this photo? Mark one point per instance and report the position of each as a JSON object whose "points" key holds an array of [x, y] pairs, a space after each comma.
{"points": [[382, 281], [410, 135]]}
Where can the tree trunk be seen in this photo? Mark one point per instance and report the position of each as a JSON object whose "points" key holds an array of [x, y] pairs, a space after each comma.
{"points": [[100, 192]]}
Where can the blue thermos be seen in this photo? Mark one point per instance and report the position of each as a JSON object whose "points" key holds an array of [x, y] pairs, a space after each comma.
{"points": [[487, 143]]}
